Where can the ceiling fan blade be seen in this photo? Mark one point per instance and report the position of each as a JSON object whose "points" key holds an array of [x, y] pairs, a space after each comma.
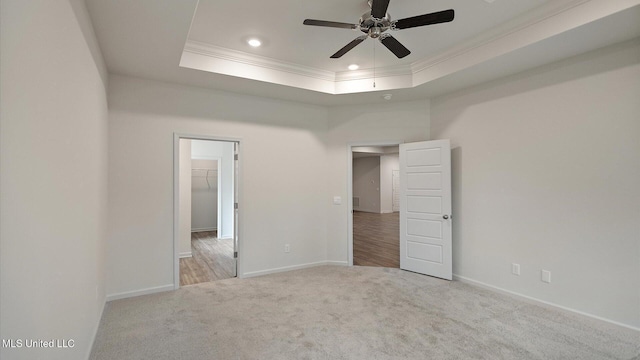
{"points": [[426, 19], [349, 46], [395, 46], [379, 8], [330, 24]]}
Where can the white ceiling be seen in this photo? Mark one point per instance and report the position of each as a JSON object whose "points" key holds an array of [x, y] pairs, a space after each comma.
{"points": [[278, 23], [487, 40]]}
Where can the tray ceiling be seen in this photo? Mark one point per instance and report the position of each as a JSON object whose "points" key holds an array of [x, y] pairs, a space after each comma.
{"points": [[203, 43]]}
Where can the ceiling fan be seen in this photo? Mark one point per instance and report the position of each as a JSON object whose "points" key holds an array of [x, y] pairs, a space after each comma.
{"points": [[374, 23]]}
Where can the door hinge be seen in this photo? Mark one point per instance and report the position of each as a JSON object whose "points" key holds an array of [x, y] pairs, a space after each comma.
{"points": [[235, 254], [235, 206], [235, 156]]}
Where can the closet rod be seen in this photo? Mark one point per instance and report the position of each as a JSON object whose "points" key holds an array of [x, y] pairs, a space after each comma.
{"points": [[206, 176]]}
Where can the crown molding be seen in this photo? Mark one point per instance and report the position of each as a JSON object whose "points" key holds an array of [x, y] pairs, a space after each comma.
{"points": [[239, 57], [217, 52], [368, 74], [544, 22]]}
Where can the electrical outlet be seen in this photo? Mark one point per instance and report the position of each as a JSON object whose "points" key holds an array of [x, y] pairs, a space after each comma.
{"points": [[546, 276], [287, 248], [515, 269]]}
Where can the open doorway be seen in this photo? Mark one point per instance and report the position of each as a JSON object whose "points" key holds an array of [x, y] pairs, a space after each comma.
{"points": [[206, 210], [375, 211]]}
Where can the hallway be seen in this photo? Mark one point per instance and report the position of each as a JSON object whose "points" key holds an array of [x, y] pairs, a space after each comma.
{"points": [[376, 239]]}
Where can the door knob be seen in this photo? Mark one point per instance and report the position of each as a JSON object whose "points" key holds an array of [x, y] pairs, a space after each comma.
{"points": [[445, 217]]}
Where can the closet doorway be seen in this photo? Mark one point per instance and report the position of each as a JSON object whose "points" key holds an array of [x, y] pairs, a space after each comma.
{"points": [[375, 222], [206, 236]]}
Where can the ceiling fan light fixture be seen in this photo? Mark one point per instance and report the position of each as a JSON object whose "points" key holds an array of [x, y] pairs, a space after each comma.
{"points": [[254, 42], [354, 67], [375, 32]]}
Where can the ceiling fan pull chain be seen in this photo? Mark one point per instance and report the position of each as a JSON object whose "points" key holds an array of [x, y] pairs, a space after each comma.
{"points": [[374, 64]]}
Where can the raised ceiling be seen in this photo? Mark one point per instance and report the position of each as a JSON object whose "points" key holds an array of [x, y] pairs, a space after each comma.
{"points": [[279, 24], [203, 43]]}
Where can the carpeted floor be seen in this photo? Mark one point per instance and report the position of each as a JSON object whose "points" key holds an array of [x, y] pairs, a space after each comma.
{"points": [[333, 312]]}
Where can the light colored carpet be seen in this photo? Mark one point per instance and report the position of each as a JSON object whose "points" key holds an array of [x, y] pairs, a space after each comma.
{"points": [[333, 312]]}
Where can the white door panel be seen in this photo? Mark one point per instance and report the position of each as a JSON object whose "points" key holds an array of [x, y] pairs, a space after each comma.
{"points": [[425, 208]]}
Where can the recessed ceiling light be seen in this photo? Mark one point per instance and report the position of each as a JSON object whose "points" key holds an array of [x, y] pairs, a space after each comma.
{"points": [[354, 67], [254, 42]]}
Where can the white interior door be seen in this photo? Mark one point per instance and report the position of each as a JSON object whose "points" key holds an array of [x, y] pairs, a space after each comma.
{"points": [[425, 208]]}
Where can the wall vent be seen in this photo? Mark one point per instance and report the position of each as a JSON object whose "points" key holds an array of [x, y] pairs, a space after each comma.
{"points": [[356, 201]]}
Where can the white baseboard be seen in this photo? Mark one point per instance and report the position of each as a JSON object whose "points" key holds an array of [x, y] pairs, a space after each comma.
{"points": [[226, 238], [204, 229], [338, 263], [153, 290], [95, 331], [290, 268], [536, 300], [185, 255], [128, 294]]}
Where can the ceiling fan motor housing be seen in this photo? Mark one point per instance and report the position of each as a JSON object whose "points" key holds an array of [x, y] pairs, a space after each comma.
{"points": [[374, 27]]}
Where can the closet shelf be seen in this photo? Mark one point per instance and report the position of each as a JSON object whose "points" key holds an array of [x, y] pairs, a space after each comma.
{"points": [[206, 176]]}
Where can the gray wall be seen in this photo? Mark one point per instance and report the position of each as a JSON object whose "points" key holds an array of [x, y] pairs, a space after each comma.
{"points": [[546, 173], [366, 183], [53, 158], [282, 158]]}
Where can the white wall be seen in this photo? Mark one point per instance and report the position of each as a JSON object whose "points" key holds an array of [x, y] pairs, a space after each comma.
{"points": [[53, 176], [358, 124], [184, 168], [223, 150], [282, 156], [204, 195], [546, 173], [366, 183], [388, 163]]}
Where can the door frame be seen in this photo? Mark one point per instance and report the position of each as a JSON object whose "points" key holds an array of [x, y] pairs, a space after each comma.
{"points": [[350, 147], [176, 200]]}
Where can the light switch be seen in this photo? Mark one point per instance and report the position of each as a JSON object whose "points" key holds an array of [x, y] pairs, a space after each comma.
{"points": [[337, 200]]}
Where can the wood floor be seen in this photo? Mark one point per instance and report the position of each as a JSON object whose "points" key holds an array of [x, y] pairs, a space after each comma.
{"points": [[212, 259], [376, 239], [375, 243]]}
